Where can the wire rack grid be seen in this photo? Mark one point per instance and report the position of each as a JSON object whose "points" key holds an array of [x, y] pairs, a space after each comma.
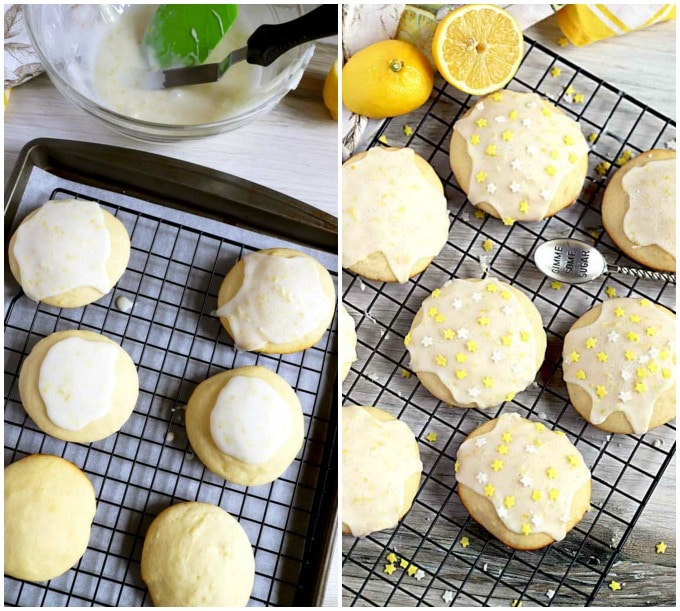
{"points": [[625, 469], [173, 277]]}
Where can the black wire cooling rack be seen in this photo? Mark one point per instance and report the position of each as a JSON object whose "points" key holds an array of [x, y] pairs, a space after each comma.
{"points": [[173, 278], [625, 469]]}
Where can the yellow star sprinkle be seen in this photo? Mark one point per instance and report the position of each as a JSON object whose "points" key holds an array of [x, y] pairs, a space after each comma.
{"points": [[448, 333], [629, 354], [441, 360], [554, 154], [555, 72], [492, 288], [497, 97], [640, 387], [574, 356], [507, 135], [405, 373], [497, 465], [546, 112], [635, 318], [641, 372], [663, 355], [568, 140], [403, 563], [614, 585], [481, 122], [502, 449], [603, 167], [525, 528], [489, 489], [474, 139], [508, 221], [513, 114], [412, 570], [601, 391], [573, 157], [602, 357], [408, 130], [464, 542], [563, 41], [653, 367], [661, 547], [480, 177], [491, 150], [461, 357], [555, 285], [579, 98], [551, 472], [506, 295], [553, 493], [506, 437], [391, 557], [433, 311], [611, 291], [666, 373], [436, 292], [592, 138], [509, 502], [569, 90], [632, 336], [551, 170], [456, 467], [432, 437], [650, 331], [591, 342], [383, 140], [645, 303], [524, 335], [580, 374], [524, 206], [625, 157], [487, 245], [407, 340], [507, 340], [619, 312], [440, 318], [572, 459], [461, 374], [509, 397], [562, 433], [480, 214], [389, 569], [483, 321], [471, 345], [536, 495], [539, 426]]}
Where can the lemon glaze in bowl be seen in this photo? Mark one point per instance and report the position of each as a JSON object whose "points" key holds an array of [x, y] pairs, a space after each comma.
{"points": [[82, 48]]}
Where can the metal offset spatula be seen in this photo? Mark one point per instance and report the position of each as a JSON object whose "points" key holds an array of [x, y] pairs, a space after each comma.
{"points": [[265, 45]]}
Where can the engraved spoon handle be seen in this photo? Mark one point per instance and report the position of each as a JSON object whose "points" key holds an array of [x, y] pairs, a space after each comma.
{"points": [[645, 274]]}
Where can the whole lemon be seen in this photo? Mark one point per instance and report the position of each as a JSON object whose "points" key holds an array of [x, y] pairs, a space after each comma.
{"points": [[330, 91], [386, 79]]}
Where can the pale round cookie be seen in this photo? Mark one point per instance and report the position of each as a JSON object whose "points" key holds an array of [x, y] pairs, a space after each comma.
{"points": [[78, 386], [348, 341], [518, 157], [72, 252], [49, 507], [638, 209], [245, 425], [381, 470], [476, 343], [619, 365], [276, 301], [197, 555], [394, 214], [527, 485]]}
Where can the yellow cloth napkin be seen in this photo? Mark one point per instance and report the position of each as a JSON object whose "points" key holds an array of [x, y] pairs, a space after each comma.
{"points": [[586, 23]]}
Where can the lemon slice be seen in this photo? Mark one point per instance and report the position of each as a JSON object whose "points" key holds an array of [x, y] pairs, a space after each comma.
{"points": [[418, 26], [478, 48]]}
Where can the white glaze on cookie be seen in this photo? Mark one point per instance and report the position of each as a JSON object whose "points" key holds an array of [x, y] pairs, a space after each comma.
{"points": [[348, 337], [77, 380], [388, 206], [378, 458], [63, 246], [521, 149], [650, 218], [250, 420], [625, 360], [476, 337], [528, 472], [281, 299]]}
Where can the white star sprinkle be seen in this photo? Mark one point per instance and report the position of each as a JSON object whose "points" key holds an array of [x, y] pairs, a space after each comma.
{"points": [[545, 194], [500, 119], [565, 518], [514, 187], [516, 164], [480, 442], [456, 304], [567, 360], [530, 449], [550, 593], [427, 341], [531, 104], [625, 396], [643, 359], [481, 478], [532, 149], [447, 597], [491, 188], [536, 520], [419, 574], [463, 333], [653, 352], [525, 480], [474, 392], [626, 375], [527, 122], [497, 356], [476, 297], [613, 337], [508, 310], [501, 511], [516, 368], [480, 106]]}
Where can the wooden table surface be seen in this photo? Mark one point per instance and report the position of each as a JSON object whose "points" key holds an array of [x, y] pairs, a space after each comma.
{"points": [[641, 64]]}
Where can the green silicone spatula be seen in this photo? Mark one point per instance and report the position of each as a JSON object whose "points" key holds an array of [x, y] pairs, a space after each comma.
{"points": [[181, 35]]}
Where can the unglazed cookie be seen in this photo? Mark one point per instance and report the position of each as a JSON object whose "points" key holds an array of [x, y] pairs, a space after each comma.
{"points": [[78, 386], [518, 157], [348, 341], [527, 485], [69, 253], [619, 365], [475, 343], [276, 301], [638, 209], [49, 508], [394, 216], [197, 555], [245, 424], [381, 470]]}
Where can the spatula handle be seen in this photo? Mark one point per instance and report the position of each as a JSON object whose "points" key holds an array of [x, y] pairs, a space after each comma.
{"points": [[269, 42]]}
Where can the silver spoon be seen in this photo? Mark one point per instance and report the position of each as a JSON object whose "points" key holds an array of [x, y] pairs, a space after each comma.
{"points": [[575, 262]]}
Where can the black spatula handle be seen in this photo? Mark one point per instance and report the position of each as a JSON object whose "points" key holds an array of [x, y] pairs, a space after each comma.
{"points": [[269, 42]]}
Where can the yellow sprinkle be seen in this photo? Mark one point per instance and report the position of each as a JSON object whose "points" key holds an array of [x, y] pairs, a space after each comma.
{"points": [[507, 340], [573, 157], [536, 495], [480, 177], [551, 472], [383, 139], [524, 335], [553, 493], [572, 459], [651, 331], [508, 221], [403, 563], [497, 97], [464, 542], [503, 449], [661, 547], [539, 426], [562, 433], [509, 397], [391, 557], [601, 391], [440, 318], [505, 295], [575, 356], [546, 112], [481, 122], [611, 291], [555, 285], [579, 98], [653, 367], [408, 130], [412, 570], [635, 318], [580, 374], [594, 233], [461, 373], [509, 502], [487, 245], [389, 569], [645, 303], [551, 170], [614, 585], [591, 342], [474, 139], [461, 357], [449, 333], [569, 90], [483, 321], [525, 528], [456, 466], [405, 373], [471, 345], [555, 72], [516, 603], [619, 312], [663, 355], [497, 465], [554, 154], [507, 135], [480, 214], [492, 288], [592, 138], [436, 292], [629, 354], [513, 114], [568, 140], [489, 489], [625, 157], [491, 150], [506, 437], [666, 373], [640, 387], [433, 311], [441, 360], [431, 437], [632, 336], [407, 340], [524, 206], [563, 41], [641, 372], [602, 357], [603, 167]]}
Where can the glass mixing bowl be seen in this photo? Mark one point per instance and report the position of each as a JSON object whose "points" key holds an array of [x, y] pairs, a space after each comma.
{"points": [[66, 37]]}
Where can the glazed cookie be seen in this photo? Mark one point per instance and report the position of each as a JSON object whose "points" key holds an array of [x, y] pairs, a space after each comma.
{"points": [[619, 365], [518, 157], [69, 253], [527, 485], [78, 386], [638, 209], [394, 216], [246, 425], [348, 342], [475, 343], [49, 508], [381, 470], [276, 301], [197, 555]]}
